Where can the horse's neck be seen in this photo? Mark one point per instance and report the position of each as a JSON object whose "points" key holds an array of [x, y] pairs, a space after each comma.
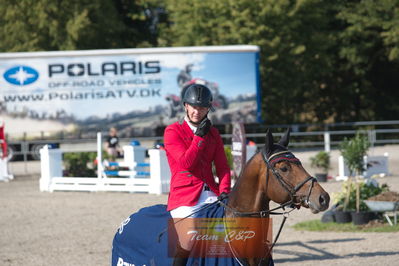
{"points": [[247, 194]]}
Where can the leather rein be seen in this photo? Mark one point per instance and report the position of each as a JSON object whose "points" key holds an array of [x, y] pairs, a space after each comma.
{"points": [[290, 189], [264, 213]]}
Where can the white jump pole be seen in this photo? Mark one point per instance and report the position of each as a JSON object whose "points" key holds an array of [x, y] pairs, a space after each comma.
{"points": [[99, 156]]}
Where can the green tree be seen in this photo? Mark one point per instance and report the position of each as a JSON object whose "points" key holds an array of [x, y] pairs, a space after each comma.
{"points": [[321, 61], [36, 25], [291, 34], [369, 59]]}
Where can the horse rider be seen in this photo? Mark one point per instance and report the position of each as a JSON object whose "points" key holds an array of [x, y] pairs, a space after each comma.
{"points": [[184, 75], [192, 145]]}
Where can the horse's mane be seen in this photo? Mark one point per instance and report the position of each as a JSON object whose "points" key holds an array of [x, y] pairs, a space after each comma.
{"points": [[247, 165]]}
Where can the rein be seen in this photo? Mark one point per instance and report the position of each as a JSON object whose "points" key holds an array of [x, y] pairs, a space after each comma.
{"points": [[291, 190], [291, 203], [264, 213]]}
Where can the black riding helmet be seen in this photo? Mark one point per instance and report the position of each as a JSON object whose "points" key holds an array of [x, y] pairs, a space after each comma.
{"points": [[198, 95]]}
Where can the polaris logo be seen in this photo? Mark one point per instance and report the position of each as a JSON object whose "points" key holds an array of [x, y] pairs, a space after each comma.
{"points": [[106, 68], [21, 75]]}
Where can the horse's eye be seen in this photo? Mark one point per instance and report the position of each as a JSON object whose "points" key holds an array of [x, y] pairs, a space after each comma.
{"points": [[284, 169]]}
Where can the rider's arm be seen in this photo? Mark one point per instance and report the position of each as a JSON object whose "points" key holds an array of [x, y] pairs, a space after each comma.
{"points": [[186, 157]]}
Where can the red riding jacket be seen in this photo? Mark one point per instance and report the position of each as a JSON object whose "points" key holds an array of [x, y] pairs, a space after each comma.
{"points": [[190, 160]]}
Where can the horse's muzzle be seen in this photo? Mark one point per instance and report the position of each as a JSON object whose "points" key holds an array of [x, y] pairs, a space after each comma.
{"points": [[319, 203]]}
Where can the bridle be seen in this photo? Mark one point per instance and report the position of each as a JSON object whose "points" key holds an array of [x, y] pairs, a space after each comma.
{"points": [[292, 191], [289, 188], [264, 213]]}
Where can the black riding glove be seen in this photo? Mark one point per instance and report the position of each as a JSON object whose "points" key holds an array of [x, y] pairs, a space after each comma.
{"points": [[203, 128], [223, 196]]}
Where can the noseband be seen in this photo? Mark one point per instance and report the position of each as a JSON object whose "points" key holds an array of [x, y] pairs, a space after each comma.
{"points": [[270, 162], [287, 156]]}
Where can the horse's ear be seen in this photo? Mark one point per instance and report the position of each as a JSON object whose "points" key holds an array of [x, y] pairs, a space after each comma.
{"points": [[269, 141], [285, 139]]}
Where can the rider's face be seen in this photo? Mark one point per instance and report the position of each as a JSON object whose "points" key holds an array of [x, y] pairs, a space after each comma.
{"points": [[196, 113]]}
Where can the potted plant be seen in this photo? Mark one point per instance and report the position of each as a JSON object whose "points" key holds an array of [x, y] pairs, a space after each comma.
{"points": [[341, 214], [353, 150], [356, 209], [321, 161]]}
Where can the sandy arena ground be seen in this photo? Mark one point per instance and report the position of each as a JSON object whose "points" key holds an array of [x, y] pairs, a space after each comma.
{"points": [[77, 228]]}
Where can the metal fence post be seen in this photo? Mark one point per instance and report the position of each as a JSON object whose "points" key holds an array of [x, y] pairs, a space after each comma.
{"points": [[327, 141]]}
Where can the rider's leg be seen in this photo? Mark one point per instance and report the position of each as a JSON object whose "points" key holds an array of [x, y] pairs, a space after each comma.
{"points": [[181, 256], [186, 227], [184, 230], [182, 226]]}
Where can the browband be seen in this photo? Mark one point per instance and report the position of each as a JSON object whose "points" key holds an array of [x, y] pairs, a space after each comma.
{"points": [[278, 153], [275, 158]]}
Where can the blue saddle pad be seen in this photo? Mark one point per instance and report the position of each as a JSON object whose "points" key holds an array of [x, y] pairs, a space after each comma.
{"points": [[142, 239]]}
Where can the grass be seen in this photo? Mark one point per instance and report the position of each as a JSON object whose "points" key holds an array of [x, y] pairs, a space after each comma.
{"points": [[317, 225]]}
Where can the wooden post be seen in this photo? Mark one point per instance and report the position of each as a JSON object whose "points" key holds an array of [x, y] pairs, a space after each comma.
{"points": [[348, 192]]}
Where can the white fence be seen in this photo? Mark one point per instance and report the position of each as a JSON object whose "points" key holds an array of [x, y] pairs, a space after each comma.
{"points": [[155, 182], [4, 174]]}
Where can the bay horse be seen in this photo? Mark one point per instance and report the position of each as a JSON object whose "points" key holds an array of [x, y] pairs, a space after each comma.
{"points": [[272, 174]]}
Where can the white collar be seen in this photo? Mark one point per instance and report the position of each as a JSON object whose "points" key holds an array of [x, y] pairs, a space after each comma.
{"points": [[192, 127]]}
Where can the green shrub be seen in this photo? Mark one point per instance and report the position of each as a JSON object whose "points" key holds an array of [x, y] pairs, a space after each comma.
{"points": [[321, 160], [353, 150], [229, 156], [80, 164], [366, 190]]}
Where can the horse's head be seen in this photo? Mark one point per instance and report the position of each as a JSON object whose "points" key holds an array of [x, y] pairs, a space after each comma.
{"points": [[285, 180]]}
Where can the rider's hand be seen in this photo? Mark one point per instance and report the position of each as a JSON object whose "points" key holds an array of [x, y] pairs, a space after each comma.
{"points": [[203, 128], [223, 196]]}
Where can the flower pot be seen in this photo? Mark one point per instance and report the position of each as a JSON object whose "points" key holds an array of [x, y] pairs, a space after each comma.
{"points": [[359, 218], [321, 177], [328, 217], [342, 216]]}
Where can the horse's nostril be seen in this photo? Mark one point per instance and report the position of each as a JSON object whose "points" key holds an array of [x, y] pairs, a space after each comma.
{"points": [[324, 199]]}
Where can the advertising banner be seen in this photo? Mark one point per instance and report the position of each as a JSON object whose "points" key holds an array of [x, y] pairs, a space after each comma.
{"points": [[138, 88]]}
